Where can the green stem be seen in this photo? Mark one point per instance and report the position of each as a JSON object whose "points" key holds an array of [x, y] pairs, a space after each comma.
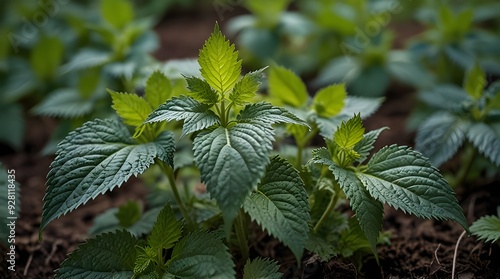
{"points": [[223, 113], [470, 154], [241, 235], [171, 178], [303, 143], [159, 267], [327, 212]]}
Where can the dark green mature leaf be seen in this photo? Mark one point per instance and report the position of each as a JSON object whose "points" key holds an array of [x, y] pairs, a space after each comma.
{"points": [[219, 62], [280, 205], [267, 114], [406, 180], [158, 89], [487, 228], [441, 136], [66, 103], [201, 91], [95, 158], [486, 140], [166, 230], [196, 116], [369, 212], [109, 255], [200, 255], [232, 161], [10, 197], [244, 90], [364, 147], [261, 268]]}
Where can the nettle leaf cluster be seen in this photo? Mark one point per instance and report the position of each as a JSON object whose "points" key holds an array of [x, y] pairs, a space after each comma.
{"points": [[232, 149], [460, 115]]}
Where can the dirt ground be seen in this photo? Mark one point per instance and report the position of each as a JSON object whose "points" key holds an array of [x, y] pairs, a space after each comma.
{"points": [[419, 248]]}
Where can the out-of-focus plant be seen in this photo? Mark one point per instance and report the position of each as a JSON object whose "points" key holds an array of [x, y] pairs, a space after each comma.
{"points": [[452, 39], [469, 115]]}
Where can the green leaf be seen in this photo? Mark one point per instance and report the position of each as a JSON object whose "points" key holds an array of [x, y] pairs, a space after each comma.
{"points": [[46, 57], [369, 212], [12, 123], [475, 82], [201, 255], [158, 89], [244, 90], [145, 257], [349, 133], [65, 103], [261, 268], [329, 101], [109, 255], [231, 162], [134, 110], [196, 116], [267, 114], [129, 213], [219, 62], [365, 146], [486, 140], [107, 222], [166, 230], [10, 200], [117, 12], [201, 91], [280, 205], [440, 136], [95, 158], [287, 87], [487, 228], [406, 180]]}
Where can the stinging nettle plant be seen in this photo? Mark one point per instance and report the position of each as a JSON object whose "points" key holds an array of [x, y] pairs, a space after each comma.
{"points": [[232, 150]]}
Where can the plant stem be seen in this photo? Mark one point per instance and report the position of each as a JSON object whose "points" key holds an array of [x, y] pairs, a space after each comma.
{"points": [[470, 154], [240, 234], [171, 179], [327, 212], [223, 113], [303, 143]]}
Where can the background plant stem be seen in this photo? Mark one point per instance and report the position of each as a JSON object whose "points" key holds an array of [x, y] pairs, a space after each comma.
{"points": [[469, 156], [328, 210], [241, 235]]}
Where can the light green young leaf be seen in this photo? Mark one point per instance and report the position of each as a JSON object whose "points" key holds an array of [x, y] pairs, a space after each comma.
{"points": [[349, 133], [486, 140], [201, 91], [329, 101], [47, 56], [364, 147], [369, 212], [475, 82], [406, 180], [231, 161], [117, 12], [267, 114], [128, 214], [64, 102], [244, 90], [166, 230], [145, 257], [286, 87], [95, 158], [158, 89], [280, 205], [487, 228], [261, 268], [109, 255], [196, 116], [134, 110], [219, 62], [11, 196], [201, 255], [440, 136]]}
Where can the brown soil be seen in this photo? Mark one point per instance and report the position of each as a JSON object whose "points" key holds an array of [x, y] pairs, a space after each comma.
{"points": [[419, 248]]}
